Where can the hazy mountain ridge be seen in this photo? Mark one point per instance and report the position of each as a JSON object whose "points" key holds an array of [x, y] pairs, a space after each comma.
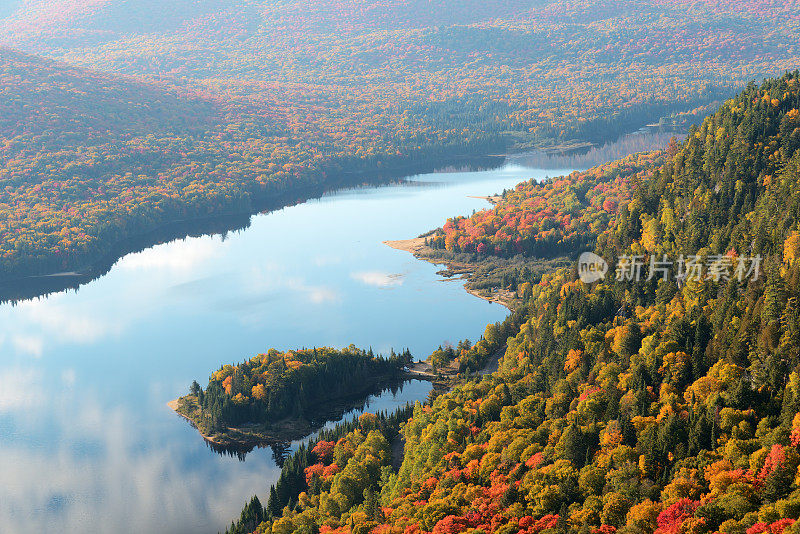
{"points": [[275, 96]]}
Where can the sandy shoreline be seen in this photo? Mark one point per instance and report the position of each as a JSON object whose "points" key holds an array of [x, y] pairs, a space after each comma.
{"points": [[416, 246], [407, 245]]}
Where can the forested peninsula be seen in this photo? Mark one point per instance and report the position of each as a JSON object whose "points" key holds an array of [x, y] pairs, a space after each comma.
{"points": [[279, 396]]}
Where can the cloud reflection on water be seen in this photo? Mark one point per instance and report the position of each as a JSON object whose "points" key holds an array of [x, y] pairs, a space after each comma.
{"points": [[106, 471], [378, 279], [180, 256], [86, 443]]}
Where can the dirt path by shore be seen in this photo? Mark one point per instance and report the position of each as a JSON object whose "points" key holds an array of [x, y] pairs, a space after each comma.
{"points": [[422, 369], [502, 297]]}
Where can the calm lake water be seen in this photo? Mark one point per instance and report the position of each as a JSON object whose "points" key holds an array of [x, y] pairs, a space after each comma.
{"points": [[87, 443]]}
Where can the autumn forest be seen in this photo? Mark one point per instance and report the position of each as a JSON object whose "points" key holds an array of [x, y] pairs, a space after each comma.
{"points": [[658, 407], [126, 127], [608, 398]]}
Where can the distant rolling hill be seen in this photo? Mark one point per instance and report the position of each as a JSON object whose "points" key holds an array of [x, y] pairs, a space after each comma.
{"points": [[146, 112]]}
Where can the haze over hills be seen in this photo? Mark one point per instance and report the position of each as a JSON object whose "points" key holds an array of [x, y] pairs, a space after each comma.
{"points": [[650, 399], [537, 65], [45, 97], [253, 98]]}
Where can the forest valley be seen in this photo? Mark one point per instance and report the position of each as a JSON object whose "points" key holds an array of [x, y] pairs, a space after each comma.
{"points": [[114, 125], [618, 406]]}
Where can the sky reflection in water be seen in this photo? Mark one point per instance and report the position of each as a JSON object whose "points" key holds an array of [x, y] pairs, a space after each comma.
{"points": [[86, 441]]}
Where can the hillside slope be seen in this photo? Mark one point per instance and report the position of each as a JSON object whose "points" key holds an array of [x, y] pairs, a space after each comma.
{"points": [[91, 159], [88, 158], [544, 70], [639, 406], [235, 102]]}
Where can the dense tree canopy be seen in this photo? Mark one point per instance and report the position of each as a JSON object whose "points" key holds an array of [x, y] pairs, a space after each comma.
{"points": [[279, 385], [550, 217], [654, 406]]}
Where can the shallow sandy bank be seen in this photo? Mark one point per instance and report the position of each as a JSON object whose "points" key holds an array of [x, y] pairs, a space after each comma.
{"points": [[407, 245]]}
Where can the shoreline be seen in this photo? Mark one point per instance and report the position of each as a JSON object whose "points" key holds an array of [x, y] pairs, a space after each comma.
{"points": [[413, 245], [87, 267], [173, 405], [416, 246], [90, 266], [252, 437], [96, 263]]}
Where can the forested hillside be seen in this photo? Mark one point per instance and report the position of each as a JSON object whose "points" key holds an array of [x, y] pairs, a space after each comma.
{"points": [[661, 404], [89, 158], [219, 105], [551, 217]]}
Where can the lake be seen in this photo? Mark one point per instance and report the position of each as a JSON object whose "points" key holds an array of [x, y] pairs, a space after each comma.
{"points": [[87, 443]]}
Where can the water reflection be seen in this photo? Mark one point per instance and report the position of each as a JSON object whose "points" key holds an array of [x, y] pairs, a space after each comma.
{"points": [[181, 256], [87, 443], [100, 480], [35, 286], [337, 184], [378, 279], [70, 460], [386, 397]]}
